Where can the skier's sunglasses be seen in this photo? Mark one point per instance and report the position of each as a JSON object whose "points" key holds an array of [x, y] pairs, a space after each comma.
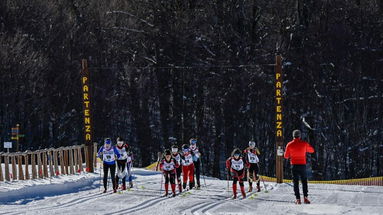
{"points": [[185, 150]]}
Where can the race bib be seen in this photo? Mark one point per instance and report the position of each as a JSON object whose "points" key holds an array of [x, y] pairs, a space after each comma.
{"points": [[178, 158], [188, 160], [237, 165], [168, 166], [253, 158], [123, 154], [108, 156]]}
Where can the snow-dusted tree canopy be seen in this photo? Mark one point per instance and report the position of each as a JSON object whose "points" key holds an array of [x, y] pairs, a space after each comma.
{"points": [[164, 71]]}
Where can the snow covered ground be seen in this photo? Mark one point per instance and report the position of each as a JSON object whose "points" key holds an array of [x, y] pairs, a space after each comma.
{"points": [[81, 194]]}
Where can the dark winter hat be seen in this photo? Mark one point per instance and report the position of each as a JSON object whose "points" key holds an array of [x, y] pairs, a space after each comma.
{"points": [[185, 146], [120, 139], [167, 152], [296, 133]]}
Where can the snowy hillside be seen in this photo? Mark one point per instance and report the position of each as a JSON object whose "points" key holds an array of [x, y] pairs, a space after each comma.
{"points": [[81, 195]]}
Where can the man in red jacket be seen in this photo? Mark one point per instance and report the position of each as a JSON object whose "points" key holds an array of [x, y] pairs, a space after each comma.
{"points": [[296, 151]]}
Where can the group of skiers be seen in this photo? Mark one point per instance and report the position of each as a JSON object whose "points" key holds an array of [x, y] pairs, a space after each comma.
{"points": [[175, 162], [188, 162], [124, 157]]}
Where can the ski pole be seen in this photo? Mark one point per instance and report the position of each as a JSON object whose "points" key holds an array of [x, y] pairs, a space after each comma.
{"points": [[259, 168], [203, 172], [100, 178]]}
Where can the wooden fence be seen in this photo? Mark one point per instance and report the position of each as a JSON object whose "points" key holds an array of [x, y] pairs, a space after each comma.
{"points": [[45, 163]]}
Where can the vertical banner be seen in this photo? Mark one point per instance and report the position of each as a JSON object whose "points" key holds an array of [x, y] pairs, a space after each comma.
{"points": [[278, 119], [86, 95]]}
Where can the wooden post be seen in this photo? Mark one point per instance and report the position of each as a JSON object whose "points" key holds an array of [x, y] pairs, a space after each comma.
{"points": [[75, 157], [62, 165], [279, 118], [39, 165], [95, 154], [57, 171], [50, 162], [14, 169], [86, 156], [6, 162], [26, 159], [20, 163], [80, 158], [33, 161], [66, 161], [45, 164], [88, 128], [1, 167], [6, 169], [71, 160]]}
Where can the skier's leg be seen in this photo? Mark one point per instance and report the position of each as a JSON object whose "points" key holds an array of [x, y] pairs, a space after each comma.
{"points": [[235, 179], [198, 171], [304, 180], [250, 178], [105, 179], [172, 182], [113, 174], [185, 171], [167, 179], [191, 176], [295, 173]]}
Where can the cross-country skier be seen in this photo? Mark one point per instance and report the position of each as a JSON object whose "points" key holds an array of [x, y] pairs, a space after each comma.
{"points": [[122, 148], [177, 156], [251, 154], [187, 166], [168, 166], [296, 151], [108, 154], [196, 160], [235, 166]]}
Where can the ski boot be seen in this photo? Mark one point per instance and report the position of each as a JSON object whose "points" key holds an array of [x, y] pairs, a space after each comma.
{"points": [[184, 186], [306, 200], [191, 185], [258, 188], [130, 184], [104, 191], [250, 189], [180, 187], [234, 191], [243, 191], [114, 190], [123, 187], [298, 201]]}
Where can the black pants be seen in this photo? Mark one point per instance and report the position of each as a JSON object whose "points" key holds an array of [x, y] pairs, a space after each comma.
{"points": [[121, 164], [179, 171], [238, 176], [197, 167], [112, 168], [170, 176], [299, 172], [253, 170]]}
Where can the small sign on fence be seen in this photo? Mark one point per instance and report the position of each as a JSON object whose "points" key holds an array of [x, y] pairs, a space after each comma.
{"points": [[7, 145]]}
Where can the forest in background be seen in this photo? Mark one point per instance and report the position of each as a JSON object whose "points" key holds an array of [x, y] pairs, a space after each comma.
{"points": [[164, 71]]}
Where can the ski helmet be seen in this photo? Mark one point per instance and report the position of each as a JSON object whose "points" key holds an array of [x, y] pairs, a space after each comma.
{"points": [[251, 144], [174, 149], [193, 141]]}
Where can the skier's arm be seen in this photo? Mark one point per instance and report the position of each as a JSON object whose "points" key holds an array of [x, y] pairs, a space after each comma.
{"points": [[257, 151], [287, 152], [309, 148], [99, 153], [116, 152]]}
